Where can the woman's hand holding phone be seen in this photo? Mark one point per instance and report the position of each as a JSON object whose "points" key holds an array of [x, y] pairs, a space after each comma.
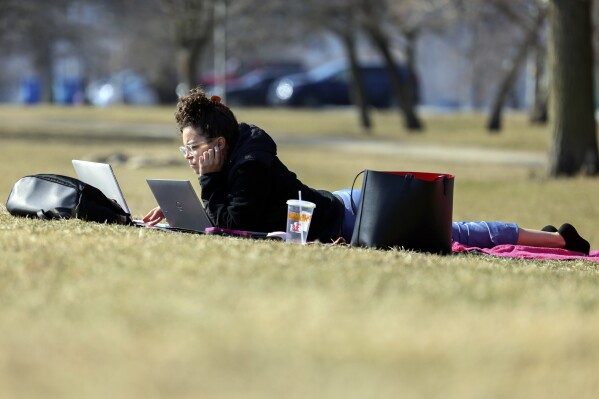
{"points": [[211, 161]]}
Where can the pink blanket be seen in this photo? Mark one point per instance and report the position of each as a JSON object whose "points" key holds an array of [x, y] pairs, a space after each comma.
{"points": [[521, 251]]}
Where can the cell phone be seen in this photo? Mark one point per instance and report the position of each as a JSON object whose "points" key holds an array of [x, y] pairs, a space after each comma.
{"points": [[227, 232], [244, 234]]}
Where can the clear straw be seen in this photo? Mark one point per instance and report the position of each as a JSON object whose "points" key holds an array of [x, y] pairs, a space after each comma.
{"points": [[301, 224]]}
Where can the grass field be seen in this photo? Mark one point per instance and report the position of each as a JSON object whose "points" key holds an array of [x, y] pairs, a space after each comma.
{"points": [[95, 311]]}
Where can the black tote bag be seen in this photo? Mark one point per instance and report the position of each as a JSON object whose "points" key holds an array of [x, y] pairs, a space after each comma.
{"points": [[412, 210]]}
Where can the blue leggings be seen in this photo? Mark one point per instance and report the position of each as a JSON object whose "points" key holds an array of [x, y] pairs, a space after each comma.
{"points": [[473, 234]]}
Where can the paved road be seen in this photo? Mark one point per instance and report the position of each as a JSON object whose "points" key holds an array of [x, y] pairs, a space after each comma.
{"points": [[422, 151], [158, 131]]}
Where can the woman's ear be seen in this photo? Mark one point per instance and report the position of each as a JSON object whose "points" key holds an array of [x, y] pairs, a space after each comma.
{"points": [[221, 142]]}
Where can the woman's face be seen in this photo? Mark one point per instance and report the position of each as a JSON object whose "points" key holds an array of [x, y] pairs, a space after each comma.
{"points": [[195, 144]]}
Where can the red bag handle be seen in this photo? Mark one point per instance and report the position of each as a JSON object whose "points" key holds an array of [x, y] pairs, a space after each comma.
{"points": [[428, 176]]}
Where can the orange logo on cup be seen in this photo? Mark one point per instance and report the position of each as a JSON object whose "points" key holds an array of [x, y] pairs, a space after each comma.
{"points": [[296, 216]]}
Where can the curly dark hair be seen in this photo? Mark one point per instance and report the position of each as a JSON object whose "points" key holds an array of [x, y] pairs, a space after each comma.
{"points": [[207, 115]]}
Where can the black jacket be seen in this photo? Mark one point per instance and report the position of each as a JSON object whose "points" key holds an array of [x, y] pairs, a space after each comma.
{"points": [[252, 189]]}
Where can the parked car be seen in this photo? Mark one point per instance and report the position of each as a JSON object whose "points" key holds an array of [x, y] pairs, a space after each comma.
{"points": [[124, 87], [330, 84], [252, 88]]}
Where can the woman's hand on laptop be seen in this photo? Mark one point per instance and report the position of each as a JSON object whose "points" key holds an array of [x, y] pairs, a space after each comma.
{"points": [[153, 217]]}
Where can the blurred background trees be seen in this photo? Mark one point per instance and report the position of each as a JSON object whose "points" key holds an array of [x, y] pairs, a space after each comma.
{"points": [[458, 51], [438, 54], [528, 17]]}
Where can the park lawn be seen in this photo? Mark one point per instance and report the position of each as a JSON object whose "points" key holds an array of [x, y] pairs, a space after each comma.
{"points": [[92, 311], [97, 311]]}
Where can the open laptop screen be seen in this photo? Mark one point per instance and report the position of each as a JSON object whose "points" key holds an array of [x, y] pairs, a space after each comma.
{"points": [[101, 176], [180, 204]]}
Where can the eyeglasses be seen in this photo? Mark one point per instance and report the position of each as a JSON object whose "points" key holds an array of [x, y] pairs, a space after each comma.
{"points": [[192, 148]]}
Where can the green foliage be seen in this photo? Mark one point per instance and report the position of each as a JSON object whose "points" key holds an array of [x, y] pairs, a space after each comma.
{"points": [[93, 311]]}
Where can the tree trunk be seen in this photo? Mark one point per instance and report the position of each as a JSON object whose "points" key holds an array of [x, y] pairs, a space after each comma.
{"points": [[538, 112], [411, 120], [411, 83], [188, 59], [477, 82], [193, 22], [183, 67], [509, 79], [358, 93], [45, 69], [193, 62], [573, 126]]}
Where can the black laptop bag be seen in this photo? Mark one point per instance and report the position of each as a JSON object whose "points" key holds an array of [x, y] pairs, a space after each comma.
{"points": [[50, 196]]}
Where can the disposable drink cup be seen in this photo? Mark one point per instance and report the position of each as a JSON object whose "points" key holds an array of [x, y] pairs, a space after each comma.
{"points": [[299, 216]]}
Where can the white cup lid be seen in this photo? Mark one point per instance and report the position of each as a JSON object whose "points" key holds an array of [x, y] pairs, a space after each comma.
{"points": [[302, 203]]}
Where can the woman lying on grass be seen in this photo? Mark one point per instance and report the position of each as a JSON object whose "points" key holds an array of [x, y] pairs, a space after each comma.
{"points": [[245, 186]]}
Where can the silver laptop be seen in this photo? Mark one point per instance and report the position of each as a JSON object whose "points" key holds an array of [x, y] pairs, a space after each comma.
{"points": [[184, 211], [101, 176], [180, 204]]}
